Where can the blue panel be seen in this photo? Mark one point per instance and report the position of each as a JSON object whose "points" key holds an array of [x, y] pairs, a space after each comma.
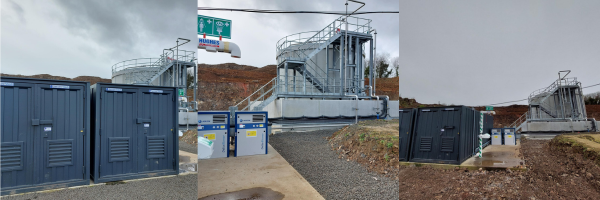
{"points": [[44, 134], [140, 124]]}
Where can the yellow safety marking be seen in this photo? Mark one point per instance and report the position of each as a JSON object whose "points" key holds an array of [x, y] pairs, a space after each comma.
{"points": [[250, 133], [211, 136]]}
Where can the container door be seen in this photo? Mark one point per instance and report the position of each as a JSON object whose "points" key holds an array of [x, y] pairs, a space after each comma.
{"points": [[17, 134], [156, 124], [449, 136], [405, 119], [59, 137], [118, 131]]}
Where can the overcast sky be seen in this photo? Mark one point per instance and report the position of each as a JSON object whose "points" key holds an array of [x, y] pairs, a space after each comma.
{"points": [[257, 34], [484, 52], [73, 38]]}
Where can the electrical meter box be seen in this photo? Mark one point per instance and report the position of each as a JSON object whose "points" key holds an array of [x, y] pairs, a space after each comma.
{"points": [[251, 137], [496, 136], [509, 136], [214, 126]]}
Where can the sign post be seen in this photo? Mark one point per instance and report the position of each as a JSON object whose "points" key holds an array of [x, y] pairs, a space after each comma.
{"points": [[212, 26]]}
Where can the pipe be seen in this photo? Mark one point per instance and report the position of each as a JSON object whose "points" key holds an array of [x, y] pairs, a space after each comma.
{"points": [[220, 46], [375, 52]]}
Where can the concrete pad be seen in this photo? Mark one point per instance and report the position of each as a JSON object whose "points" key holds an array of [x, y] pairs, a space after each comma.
{"points": [[498, 157], [494, 157], [259, 172], [188, 162]]}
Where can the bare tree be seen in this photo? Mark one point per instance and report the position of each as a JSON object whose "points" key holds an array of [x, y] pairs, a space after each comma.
{"points": [[396, 65]]}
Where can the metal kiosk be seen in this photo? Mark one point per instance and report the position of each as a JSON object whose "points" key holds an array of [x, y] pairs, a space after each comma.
{"points": [[214, 126], [251, 137], [497, 136], [509, 136]]}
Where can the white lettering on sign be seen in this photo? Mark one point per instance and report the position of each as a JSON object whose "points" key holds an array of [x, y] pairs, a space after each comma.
{"points": [[46, 129], [156, 91], [7, 84], [114, 89], [209, 42], [59, 86], [146, 125]]}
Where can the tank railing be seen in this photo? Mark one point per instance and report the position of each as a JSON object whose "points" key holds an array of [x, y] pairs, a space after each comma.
{"points": [[362, 26], [259, 94], [167, 57], [159, 63]]}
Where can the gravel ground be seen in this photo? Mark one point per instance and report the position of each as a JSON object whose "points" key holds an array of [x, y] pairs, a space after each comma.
{"points": [[178, 187], [183, 146], [334, 178]]}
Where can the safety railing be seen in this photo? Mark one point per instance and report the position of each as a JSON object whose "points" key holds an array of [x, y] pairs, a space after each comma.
{"points": [[143, 69], [265, 91], [519, 121]]}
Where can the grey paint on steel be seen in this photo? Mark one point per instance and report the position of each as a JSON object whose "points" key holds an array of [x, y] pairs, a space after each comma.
{"points": [[44, 133], [446, 135], [214, 126], [406, 119], [134, 132], [251, 137]]}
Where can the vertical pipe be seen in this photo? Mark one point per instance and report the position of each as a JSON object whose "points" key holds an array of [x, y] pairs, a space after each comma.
{"points": [[304, 78], [294, 79], [286, 77], [371, 67], [342, 56], [195, 85], [375, 52], [326, 85], [356, 79]]}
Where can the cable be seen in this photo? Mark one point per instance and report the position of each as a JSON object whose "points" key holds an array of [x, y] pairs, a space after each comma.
{"points": [[295, 12], [591, 86]]}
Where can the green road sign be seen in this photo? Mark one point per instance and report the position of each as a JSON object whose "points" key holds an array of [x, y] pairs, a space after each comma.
{"points": [[181, 92], [489, 108], [212, 26]]}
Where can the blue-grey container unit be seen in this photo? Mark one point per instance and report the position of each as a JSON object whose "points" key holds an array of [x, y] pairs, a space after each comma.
{"points": [[447, 135], [214, 126], [45, 134], [406, 121], [134, 132], [251, 136]]}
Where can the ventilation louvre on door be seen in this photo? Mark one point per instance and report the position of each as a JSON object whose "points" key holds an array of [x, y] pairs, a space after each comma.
{"points": [[219, 119], [447, 144], [156, 146], [258, 118], [11, 156], [119, 149], [425, 144], [60, 152]]}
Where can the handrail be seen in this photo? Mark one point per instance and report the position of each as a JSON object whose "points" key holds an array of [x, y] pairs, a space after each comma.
{"points": [[519, 121], [274, 79]]}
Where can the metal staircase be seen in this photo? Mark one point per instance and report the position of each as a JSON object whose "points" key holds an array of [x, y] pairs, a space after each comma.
{"points": [[559, 102], [144, 71], [299, 50]]}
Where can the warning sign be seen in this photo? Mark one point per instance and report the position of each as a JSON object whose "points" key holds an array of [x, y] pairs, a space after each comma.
{"points": [[210, 136], [251, 133]]}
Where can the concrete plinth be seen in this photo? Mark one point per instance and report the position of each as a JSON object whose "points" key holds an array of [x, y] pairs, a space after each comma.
{"points": [[235, 176]]}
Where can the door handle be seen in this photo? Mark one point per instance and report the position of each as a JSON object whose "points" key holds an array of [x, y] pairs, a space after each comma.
{"points": [[140, 120], [37, 122]]}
